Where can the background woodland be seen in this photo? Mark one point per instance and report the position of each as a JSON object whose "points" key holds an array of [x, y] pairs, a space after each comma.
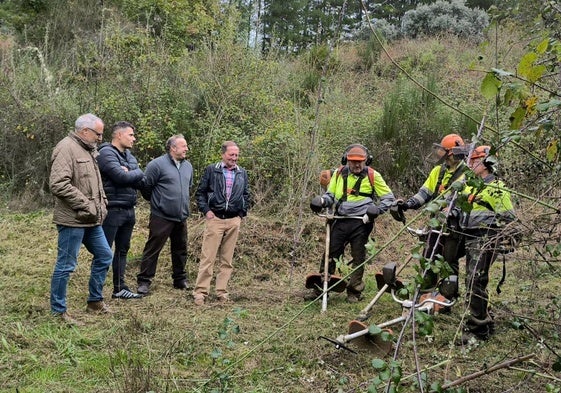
{"points": [[293, 82]]}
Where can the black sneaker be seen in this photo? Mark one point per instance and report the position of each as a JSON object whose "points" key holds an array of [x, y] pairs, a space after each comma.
{"points": [[126, 294], [181, 285]]}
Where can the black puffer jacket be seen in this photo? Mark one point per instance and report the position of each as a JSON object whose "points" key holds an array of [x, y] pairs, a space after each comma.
{"points": [[211, 193], [120, 186]]}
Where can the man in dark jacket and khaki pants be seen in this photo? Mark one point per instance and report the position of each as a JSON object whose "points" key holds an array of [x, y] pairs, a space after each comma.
{"points": [[80, 208], [223, 197]]}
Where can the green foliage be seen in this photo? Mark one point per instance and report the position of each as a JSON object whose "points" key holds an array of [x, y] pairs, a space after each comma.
{"points": [[369, 51], [443, 17], [388, 374], [182, 24], [412, 114]]}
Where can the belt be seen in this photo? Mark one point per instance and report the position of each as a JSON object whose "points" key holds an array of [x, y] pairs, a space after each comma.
{"points": [[225, 216]]}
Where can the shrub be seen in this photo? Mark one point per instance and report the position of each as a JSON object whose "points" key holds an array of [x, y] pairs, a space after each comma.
{"points": [[445, 17]]}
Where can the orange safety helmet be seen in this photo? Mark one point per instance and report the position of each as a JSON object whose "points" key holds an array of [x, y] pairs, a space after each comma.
{"points": [[450, 141], [450, 145], [480, 152]]}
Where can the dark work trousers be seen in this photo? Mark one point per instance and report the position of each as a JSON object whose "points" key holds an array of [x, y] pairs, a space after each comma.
{"points": [[160, 230], [480, 255], [450, 246], [354, 232], [118, 227]]}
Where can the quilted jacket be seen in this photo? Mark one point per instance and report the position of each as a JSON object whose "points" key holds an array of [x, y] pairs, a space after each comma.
{"points": [[76, 183]]}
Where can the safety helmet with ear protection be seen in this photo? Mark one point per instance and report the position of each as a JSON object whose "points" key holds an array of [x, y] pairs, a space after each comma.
{"points": [[449, 142], [480, 152], [484, 152], [356, 152]]}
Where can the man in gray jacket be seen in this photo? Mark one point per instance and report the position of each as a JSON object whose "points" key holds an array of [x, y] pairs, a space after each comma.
{"points": [[80, 208], [167, 182]]}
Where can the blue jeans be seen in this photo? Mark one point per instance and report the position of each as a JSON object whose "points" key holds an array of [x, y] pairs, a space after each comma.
{"points": [[69, 241], [118, 227]]}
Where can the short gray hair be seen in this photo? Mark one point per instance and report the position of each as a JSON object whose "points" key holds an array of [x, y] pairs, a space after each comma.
{"points": [[171, 140], [226, 145], [88, 120]]}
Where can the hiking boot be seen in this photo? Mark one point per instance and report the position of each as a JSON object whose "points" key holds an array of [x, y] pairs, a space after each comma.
{"points": [[68, 319], [471, 338], [199, 300], [98, 308], [312, 295], [183, 285], [126, 294], [143, 288], [353, 298], [224, 299]]}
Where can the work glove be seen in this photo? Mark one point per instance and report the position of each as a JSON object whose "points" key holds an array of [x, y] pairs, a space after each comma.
{"points": [[397, 209], [317, 204], [372, 212]]}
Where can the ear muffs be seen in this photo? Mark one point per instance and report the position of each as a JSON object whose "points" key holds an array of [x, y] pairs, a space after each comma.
{"points": [[369, 157]]}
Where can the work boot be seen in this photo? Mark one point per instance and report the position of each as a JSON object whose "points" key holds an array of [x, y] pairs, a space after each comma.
{"points": [[181, 284], [312, 294], [354, 297], [68, 319], [224, 299], [143, 288], [98, 308], [470, 337], [199, 300]]}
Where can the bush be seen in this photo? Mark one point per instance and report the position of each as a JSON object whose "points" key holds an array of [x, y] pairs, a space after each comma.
{"points": [[445, 17]]}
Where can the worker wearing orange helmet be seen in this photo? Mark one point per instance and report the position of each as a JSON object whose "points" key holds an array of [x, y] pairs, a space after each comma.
{"points": [[450, 168], [489, 210], [354, 190]]}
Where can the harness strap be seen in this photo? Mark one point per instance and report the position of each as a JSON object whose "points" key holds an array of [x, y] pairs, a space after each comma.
{"points": [[440, 188]]}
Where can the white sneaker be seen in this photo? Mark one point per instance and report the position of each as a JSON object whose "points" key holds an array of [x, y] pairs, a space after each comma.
{"points": [[126, 294]]}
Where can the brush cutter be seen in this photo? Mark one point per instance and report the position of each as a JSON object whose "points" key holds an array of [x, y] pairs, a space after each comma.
{"points": [[373, 338], [325, 281], [382, 277]]}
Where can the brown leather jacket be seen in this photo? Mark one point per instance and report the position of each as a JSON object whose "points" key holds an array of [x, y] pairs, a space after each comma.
{"points": [[76, 183]]}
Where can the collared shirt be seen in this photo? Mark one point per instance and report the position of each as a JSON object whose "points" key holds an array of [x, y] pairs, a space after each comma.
{"points": [[229, 175]]}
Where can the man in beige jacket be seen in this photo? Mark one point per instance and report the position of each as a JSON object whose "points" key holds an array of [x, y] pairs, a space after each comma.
{"points": [[80, 208]]}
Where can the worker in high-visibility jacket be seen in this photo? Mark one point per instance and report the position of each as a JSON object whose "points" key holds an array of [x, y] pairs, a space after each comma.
{"points": [[451, 153], [355, 190], [485, 217]]}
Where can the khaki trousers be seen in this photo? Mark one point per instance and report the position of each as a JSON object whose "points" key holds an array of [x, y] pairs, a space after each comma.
{"points": [[219, 240]]}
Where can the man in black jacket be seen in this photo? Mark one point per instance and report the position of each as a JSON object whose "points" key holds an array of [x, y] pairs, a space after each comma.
{"points": [[223, 197], [121, 179]]}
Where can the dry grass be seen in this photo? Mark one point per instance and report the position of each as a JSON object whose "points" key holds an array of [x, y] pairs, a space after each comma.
{"points": [[268, 339]]}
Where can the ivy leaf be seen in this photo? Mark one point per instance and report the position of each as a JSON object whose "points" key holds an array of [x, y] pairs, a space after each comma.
{"points": [[432, 207], [378, 364], [374, 329], [490, 86]]}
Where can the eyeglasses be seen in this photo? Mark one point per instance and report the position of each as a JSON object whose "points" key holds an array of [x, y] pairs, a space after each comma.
{"points": [[98, 134]]}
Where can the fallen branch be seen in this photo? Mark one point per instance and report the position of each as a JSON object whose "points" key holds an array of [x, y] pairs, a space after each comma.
{"points": [[496, 367]]}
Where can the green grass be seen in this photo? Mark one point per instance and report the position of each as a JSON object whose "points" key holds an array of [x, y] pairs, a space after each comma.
{"points": [[267, 341]]}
